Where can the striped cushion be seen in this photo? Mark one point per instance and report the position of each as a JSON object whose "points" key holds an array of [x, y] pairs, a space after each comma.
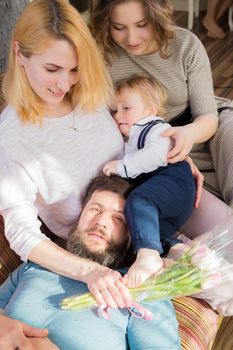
{"points": [[198, 323]]}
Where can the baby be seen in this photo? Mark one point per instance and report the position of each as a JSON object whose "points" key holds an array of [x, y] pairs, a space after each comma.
{"points": [[164, 195]]}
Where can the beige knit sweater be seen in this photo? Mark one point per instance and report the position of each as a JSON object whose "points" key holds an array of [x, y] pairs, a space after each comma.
{"points": [[185, 74]]}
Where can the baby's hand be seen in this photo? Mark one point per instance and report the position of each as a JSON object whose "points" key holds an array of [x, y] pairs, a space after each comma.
{"points": [[110, 168]]}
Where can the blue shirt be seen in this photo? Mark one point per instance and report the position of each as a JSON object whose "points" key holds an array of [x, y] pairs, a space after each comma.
{"points": [[33, 294]]}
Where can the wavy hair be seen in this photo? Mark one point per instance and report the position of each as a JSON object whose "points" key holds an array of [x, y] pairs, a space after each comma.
{"points": [[158, 12], [42, 22]]}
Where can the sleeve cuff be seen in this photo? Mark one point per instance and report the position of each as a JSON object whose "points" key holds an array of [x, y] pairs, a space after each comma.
{"points": [[121, 169]]}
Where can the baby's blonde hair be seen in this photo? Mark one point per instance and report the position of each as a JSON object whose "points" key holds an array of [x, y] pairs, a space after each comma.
{"points": [[40, 24], [151, 91]]}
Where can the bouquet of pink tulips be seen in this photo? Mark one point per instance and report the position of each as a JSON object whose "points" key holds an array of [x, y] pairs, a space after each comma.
{"points": [[196, 266]]}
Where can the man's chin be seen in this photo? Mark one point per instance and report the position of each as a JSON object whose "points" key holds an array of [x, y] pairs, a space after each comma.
{"points": [[105, 253], [96, 247]]}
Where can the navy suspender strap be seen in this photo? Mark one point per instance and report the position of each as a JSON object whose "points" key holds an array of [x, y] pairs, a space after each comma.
{"points": [[145, 130], [225, 108]]}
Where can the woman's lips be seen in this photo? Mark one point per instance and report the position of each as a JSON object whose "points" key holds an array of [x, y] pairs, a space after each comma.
{"points": [[134, 47], [57, 93]]}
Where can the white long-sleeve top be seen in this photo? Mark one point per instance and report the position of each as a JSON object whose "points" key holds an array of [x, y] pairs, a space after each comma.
{"points": [[44, 170], [151, 156]]}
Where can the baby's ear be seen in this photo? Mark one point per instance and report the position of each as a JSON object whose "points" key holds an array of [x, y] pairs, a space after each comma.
{"points": [[154, 109]]}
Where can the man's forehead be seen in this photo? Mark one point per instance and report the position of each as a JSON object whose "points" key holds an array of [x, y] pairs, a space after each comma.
{"points": [[107, 199]]}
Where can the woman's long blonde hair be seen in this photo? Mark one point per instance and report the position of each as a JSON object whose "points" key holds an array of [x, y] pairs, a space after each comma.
{"points": [[40, 23], [158, 12]]}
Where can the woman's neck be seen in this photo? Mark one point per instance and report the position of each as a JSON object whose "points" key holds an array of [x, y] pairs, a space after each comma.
{"points": [[60, 110]]}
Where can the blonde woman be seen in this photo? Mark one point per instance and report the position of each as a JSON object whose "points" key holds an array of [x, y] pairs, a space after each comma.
{"points": [[56, 134]]}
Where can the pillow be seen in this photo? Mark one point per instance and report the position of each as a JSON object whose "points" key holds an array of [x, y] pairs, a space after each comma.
{"points": [[198, 323], [211, 212]]}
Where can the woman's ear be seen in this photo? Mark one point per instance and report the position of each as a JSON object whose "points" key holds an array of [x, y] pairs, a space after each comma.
{"points": [[18, 55]]}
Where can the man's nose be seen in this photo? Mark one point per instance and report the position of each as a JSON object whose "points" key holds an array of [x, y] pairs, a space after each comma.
{"points": [[103, 220]]}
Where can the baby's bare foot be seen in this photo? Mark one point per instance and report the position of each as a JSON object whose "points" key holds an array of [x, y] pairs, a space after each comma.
{"points": [[148, 262]]}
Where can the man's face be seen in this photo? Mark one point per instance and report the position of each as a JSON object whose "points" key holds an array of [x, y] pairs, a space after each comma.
{"points": [[101, 233]]}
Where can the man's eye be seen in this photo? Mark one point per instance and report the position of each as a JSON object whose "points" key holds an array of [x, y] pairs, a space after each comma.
{"points": [[120, 219], [95, 209]]}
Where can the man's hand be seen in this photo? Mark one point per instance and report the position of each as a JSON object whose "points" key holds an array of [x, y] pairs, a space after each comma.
{"points": [[13, 334], [106, 286], [110, 168]]}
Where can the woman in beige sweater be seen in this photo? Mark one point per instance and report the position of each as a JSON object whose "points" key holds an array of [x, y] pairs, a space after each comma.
{"points": [[140, 37]]}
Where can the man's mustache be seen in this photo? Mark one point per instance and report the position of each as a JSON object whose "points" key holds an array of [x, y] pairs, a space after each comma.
{"points": [[100, 230]]}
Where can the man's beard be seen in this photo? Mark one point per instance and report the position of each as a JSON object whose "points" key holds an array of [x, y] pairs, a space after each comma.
{"points": [[112, 256]]}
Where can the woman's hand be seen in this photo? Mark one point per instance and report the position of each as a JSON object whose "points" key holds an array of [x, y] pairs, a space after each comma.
{"points": [[42, 344], [199, 178], [106, 286], [183, 139], [200, 130], [14, 334]]}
